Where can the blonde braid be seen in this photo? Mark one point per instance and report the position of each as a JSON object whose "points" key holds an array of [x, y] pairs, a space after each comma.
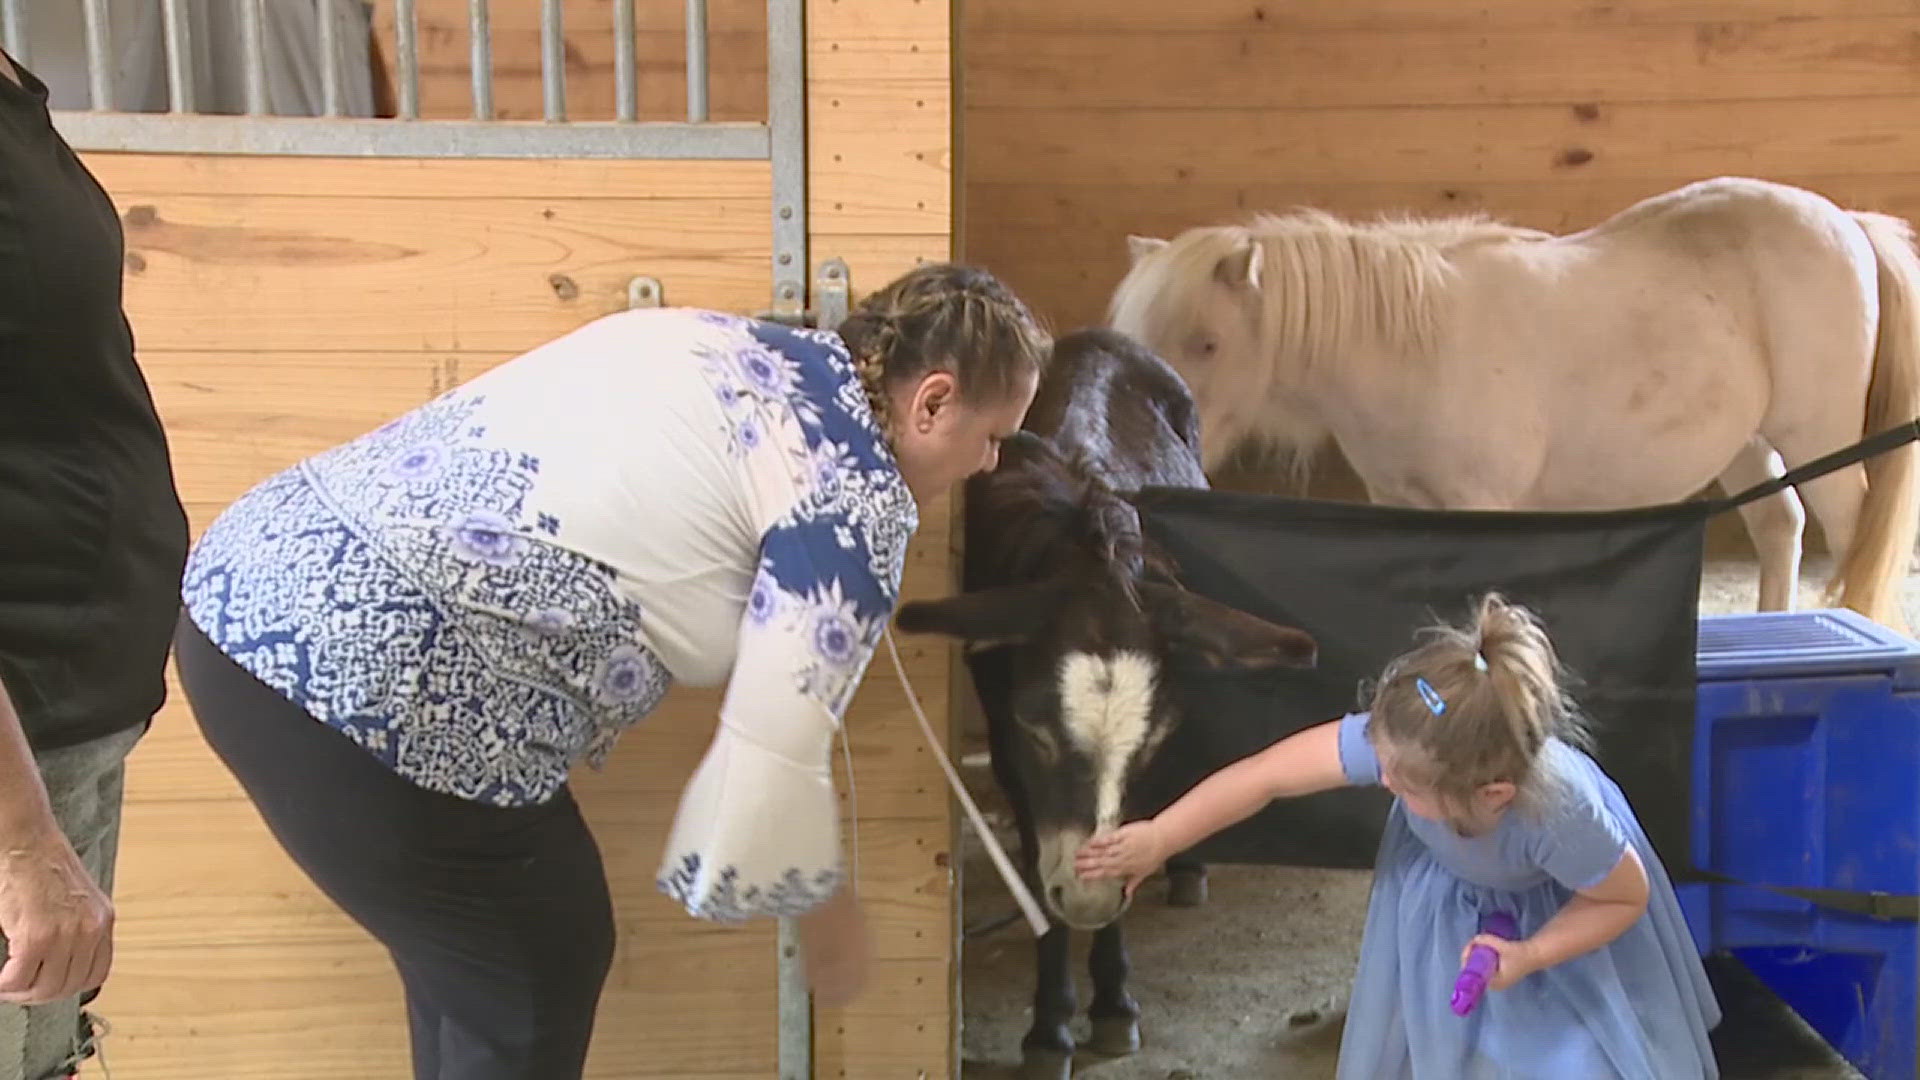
{"points": [[943, 315], [871, 364]]}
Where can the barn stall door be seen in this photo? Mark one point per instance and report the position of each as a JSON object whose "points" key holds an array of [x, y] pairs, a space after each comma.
{"points": [[297, 274]]}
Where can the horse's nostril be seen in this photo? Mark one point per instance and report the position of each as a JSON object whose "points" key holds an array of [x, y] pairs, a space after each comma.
{"points": [[1058, 895]]}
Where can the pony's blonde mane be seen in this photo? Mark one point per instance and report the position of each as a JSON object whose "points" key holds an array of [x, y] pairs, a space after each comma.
{"points": [[1333, 286], [1329, 286]]}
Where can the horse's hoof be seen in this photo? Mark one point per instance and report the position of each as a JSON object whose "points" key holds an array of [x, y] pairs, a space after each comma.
{"points": [[1045, 1065], [1187, 889], [1115, 1036]]}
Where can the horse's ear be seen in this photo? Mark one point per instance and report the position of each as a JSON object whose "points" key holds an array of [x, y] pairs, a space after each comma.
{"points": [[1210, 635], [1009, 615], [1139, 247], [1240, 268]]}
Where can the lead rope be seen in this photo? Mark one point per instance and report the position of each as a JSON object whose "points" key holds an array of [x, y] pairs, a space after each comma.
{"points": [[853, 811], [1008, 874]]}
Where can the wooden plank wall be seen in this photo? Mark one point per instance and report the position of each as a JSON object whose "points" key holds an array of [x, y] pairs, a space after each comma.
{"points": [[284, 305], [1087, 119]]}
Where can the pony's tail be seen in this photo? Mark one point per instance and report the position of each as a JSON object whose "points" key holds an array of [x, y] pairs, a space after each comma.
{"points": [[1870, 574]]}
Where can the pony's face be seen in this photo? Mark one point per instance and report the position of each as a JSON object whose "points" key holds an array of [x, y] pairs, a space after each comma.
{"points": [[1089, 702], [1093, 638], [1196, 301]]}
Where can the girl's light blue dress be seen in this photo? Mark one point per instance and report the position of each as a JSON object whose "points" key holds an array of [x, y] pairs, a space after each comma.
{"points": [[1637, 1009]]}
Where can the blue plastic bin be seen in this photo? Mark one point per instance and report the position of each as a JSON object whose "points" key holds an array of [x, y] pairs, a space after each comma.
{"points": [[1806, 772]]}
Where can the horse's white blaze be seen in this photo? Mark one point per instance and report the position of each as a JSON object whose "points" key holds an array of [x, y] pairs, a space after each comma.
{"points": [[1107, 702]]}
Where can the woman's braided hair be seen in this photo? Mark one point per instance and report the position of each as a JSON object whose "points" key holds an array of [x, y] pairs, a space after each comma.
{"points": [[944, 317]]}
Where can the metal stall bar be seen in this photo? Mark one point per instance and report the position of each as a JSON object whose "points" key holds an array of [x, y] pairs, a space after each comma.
{"points": [[796, 1008], [253, 46], [787, 129], [480, 30], [697, 57], [406, 42], [13, 29], [553, 59], [329, 59], [626, 92], [787, 150], [350, 137], [179, 37], [184, 130], [99, 55]]}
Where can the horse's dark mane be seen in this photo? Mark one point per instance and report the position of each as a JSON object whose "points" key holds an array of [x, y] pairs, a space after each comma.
{"points": [[1050, 512]]}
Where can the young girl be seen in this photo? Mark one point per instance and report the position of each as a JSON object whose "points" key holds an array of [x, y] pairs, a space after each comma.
{"points": [[1496, 807]]}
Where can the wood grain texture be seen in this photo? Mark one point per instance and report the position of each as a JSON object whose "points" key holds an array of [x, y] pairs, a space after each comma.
{"points": [[1390, 16], [880, 123], [880, 179], [379, 274], [1476, 142], [367, 287], [1290, 67]]}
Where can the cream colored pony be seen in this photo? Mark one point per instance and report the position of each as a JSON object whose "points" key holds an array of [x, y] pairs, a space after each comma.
{"points": [[1706, 333]]}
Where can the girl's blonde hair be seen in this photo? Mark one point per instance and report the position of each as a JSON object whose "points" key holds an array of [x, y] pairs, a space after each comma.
{"points": [[1476, 704], [945, 317]]}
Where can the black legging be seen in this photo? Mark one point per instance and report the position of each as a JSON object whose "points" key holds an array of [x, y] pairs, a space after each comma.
{"points": [[497, 918]]}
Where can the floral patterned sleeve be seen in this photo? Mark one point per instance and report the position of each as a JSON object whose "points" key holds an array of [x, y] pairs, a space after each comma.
{"points": [[758, 830]]}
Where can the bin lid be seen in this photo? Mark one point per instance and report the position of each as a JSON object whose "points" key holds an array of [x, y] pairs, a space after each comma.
{"points": [[1821, 641]]}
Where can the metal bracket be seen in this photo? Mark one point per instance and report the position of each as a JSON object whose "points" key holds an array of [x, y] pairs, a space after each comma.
{"points": [[645, 292], [796, 1008], [832, 297]]}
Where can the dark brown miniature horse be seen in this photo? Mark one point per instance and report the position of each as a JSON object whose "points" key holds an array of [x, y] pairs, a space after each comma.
{"points": [[1075, 630]]}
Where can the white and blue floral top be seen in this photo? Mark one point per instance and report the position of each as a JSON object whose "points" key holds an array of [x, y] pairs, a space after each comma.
{"points": [[490, 588]]}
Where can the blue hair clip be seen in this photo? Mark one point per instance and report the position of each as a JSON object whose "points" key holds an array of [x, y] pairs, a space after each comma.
{"points": [[1431, 696]]}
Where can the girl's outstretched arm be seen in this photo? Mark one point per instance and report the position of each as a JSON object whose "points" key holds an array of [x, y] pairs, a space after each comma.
{"points": [[1300, 764]]}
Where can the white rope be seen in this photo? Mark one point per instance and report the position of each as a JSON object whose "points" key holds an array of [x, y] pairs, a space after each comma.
{"points": [[1017, 887], [853, 812]]}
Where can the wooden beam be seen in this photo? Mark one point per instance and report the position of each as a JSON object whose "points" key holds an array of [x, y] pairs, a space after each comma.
{"points": [[1480, 142], [1284, 68], [1392, 15], [365, 274]]}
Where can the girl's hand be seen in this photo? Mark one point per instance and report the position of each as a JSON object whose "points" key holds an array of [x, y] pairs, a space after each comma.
{"points": [[1131, 852], [1518, 959]]}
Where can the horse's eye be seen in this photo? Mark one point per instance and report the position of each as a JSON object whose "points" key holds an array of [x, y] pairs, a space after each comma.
{"points": [[1204, 348]]}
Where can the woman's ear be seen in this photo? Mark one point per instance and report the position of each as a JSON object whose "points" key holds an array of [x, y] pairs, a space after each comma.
{"points": [[937, 391]]}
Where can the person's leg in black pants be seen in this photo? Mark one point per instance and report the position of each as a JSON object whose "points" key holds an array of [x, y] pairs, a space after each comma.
{"points": [[497, 918]]}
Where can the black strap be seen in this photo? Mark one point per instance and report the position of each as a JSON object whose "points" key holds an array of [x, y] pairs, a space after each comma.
{"points": [[1889, 439], [1892, 907]]}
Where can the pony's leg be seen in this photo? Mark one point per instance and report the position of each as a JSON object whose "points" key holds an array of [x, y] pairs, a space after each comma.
{"points": [[1776, 524], [1834, 499], [1186, 881], [1115, 1015], [1047, 1051]]}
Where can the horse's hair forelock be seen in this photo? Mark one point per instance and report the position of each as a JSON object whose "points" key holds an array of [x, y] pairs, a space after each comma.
{"points": [[1053, 512]]}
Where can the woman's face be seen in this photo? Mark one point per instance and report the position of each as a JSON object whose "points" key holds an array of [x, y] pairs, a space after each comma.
{"points": [[940, 439]]}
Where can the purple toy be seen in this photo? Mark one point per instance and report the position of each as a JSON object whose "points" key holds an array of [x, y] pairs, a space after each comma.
{"points": [[1482, 961]]}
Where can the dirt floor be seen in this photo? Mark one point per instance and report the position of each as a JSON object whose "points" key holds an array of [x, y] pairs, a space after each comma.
{"points": [[1217, 985]]}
